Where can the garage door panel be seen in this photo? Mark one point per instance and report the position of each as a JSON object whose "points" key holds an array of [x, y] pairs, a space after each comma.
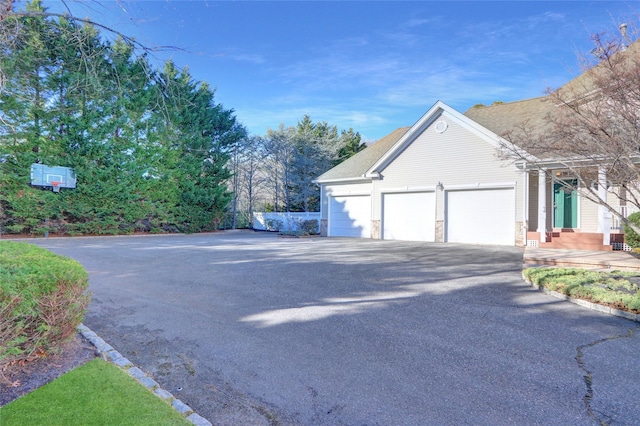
{"points": [[409, 216], [483, 216], [350, 216]]}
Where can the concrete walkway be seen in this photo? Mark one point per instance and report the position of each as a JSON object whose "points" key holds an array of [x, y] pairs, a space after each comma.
{"points": [[619, 260]]}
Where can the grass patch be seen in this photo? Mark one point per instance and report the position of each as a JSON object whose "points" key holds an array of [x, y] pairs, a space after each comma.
{"points": [[616, 289], [96, 393]]}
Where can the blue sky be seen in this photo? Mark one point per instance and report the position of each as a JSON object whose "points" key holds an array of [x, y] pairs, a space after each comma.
{"points": [[370, 65]]}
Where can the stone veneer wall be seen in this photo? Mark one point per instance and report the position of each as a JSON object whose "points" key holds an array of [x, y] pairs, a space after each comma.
{"points": [[323, 227], [519, 234], [375, 229], [439, 231]]}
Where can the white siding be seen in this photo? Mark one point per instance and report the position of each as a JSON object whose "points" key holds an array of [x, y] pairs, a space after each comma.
{"points": [[587, 215], [458, 158]]}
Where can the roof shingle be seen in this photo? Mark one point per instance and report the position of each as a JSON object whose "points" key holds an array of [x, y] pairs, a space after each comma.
{"points": [[357, 166]]}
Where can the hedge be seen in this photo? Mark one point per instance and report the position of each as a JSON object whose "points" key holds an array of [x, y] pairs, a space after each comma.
{"points": [[43, 298]]}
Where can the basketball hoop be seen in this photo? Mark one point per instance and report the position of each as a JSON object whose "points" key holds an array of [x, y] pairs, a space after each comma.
{"points": [[56, 186]]}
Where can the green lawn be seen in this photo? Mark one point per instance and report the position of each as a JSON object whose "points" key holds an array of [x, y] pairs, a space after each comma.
{"points": [[616, 289], [96, 393]]}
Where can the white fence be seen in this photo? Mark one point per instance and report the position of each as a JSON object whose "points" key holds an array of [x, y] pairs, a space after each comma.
{"points": [[282, 221]]}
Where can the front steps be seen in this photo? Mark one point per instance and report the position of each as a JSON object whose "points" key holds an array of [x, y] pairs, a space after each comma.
{"points": [[569, 239]]}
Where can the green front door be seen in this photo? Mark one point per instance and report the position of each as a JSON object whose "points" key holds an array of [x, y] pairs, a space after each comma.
{"points": [[565, 204]]}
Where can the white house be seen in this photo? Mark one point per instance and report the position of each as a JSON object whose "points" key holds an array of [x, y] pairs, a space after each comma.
{"points": [[439, 180], [442, 180]]}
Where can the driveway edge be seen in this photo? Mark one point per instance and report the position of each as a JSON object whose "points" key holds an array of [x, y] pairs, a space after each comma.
{"points": [[111, 355]]}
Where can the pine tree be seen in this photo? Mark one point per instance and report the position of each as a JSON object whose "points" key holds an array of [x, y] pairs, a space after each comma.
{"points": [[351, 144], [201, 130]]}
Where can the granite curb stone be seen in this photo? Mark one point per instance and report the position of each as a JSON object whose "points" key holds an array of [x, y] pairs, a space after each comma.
{"points": [[181, 407], [116, 358], [166, 395], [198, 420]]}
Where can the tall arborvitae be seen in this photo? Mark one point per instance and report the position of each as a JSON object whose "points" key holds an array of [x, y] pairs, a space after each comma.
{"points": [[200, 129], [23, 63], [148, 147]]}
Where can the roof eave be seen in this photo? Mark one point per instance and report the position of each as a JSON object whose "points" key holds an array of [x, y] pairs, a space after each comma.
{"points": [[358, 179]]}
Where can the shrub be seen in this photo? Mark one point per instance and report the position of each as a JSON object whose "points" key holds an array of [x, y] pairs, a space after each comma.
{"points": [[630, 236], [309, 227], [43, 298], [273, 224], [613, 288]]}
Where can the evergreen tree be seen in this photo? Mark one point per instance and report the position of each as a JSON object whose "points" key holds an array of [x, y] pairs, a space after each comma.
{"points": [[23, 97], [148, 148], [316, 147], [280, 148], [201, 130], [295, 156], [351, 144]]}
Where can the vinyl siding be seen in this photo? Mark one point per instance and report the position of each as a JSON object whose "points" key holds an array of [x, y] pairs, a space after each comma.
{"points": [[588, 216], [457, 157], [588, 210]]}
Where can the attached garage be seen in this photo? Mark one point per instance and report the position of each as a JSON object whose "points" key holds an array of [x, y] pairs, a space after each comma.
{"points": [[350, 216], [481, 216], [439, 180], [409, 216]]}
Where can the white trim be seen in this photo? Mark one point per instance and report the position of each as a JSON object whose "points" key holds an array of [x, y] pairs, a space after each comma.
{"points": [[578, 199], [554, 163], [408, 189], [542, 204], [496, 185], [324, 211], [525, 212], [348, 193], [360, 179], [439, 109]]}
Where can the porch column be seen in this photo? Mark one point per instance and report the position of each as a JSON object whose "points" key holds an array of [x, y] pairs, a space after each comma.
{"points": [[604, 216], [542, 205]]}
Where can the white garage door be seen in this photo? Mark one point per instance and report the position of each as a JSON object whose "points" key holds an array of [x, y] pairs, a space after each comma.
{"points": [[481, 216], [350, 216], [409, 216]]}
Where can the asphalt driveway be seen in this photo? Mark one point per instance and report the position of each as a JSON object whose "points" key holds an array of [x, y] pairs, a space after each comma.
{"points": [[248, 328]]}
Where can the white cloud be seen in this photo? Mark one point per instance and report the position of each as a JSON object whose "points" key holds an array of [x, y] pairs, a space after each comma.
{"points": [[249, 57], [417, 22]]}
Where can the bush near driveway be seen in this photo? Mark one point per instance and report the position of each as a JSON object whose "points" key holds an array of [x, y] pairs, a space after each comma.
{"points": [[43, 298], [630, 236], [619, 290]]}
